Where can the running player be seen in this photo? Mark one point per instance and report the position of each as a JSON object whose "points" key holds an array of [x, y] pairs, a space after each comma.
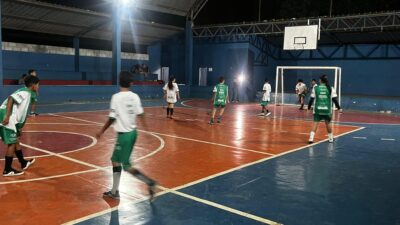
{"points": [[220, 99], [13, 113], [265, 99], [171, 95], [321, 96], [125, 106], [301, 91]]}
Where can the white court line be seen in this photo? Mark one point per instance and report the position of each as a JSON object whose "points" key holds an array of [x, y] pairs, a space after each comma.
{"points": [[78, 124], [209, 178], [94, 141], [304, 133], [179, 137], [225, 208], [49, 177], [388, 139], [60, 155], [215, 175], [364, 138]]}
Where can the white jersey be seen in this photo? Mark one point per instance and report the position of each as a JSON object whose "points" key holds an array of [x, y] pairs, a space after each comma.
{"points": [[267, 92], [22, 99], [301, 88], [171, 93], [125, 106]]}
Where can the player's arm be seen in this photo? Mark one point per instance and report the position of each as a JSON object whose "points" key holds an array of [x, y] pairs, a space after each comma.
{"points": [[10, 103], [108, 123]]}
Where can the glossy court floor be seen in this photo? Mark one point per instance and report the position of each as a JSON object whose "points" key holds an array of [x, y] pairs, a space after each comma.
{"points": [[246, 170]]}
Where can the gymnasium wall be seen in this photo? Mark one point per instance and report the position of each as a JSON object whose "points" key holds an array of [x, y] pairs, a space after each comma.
{"points": [[57, 63]]}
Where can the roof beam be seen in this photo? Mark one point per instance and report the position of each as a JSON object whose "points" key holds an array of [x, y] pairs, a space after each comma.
{"points": [[371, 22]]}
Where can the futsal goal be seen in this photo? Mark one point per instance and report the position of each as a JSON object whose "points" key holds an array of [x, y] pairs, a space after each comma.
{"points": [[334, 76]]}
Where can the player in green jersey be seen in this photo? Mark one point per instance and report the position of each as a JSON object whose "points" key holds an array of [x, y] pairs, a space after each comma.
{"points": [[220, 99], [321, 96], [13, 113]]}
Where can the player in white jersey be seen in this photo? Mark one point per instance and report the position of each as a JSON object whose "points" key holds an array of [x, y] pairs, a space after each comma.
{"points": [[266, 98], [301, 91], [171, 95], [125, 106], [13, 113]]}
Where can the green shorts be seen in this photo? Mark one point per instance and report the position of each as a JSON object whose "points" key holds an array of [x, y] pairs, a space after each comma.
{"points": [[264, 103], [219, 105], [326, 118], [8, 136], [123, 149]]}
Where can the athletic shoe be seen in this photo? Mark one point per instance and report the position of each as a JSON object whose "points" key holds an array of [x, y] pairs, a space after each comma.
{"points": [[219, 120], [261, 114], [12, 173], [34, 114], [28, 164], [267, 114], [340, 110], [331, 140], [111, 195], [152, 190], [310, 141], [211, 122]]}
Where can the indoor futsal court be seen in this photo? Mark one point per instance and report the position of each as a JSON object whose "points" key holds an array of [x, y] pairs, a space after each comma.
{"points": [[200, 112]]}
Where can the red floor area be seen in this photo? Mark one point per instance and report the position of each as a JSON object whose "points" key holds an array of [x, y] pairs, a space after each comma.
{"points": [[60, 188]]}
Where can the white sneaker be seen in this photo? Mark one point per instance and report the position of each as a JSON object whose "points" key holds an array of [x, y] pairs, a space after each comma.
{"points": [[310, 141], [12, 173], [267, 114], [330, 140]]}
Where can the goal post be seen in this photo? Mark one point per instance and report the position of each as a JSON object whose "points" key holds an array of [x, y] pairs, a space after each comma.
{"points": [[279, 81]]}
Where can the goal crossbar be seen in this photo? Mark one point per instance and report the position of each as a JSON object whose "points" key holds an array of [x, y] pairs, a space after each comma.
{"points": [[279, 76]]}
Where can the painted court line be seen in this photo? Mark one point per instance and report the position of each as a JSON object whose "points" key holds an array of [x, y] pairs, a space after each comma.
{"points": [[388, 139], [178, 137], [364, 138], [220, 174], [226, 208]]}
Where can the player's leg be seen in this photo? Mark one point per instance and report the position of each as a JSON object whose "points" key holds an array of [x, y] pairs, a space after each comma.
{"points": [[301, 102], [25, 164], [171, 112], [314, 128], [267, 112], [336, 102], [328, 125], [9, 138], [8, 169], [221, 113], [214, 110], [127, 143]]}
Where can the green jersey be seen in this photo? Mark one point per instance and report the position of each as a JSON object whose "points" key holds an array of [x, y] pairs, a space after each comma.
{"points": [[221, 94], [22, 99], [323, 100]]}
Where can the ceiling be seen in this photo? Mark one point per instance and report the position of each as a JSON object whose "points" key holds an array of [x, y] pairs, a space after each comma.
{"points": [[50, 18]]}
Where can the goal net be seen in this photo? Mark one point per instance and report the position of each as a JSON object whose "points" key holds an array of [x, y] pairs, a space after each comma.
{"points": [[287, 76]]}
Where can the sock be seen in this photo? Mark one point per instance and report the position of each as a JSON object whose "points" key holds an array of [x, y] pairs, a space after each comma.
{"points": [[142, 177], [330, 136], [172, 111], [8, 163], [312, 134], [20, 157], [116, 178]]}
